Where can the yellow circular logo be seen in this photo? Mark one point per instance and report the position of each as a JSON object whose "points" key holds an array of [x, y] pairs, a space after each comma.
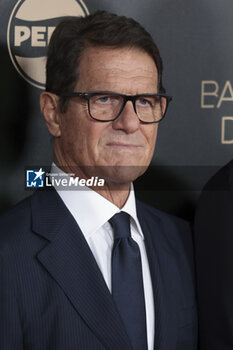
{"points": [[30, 27]]}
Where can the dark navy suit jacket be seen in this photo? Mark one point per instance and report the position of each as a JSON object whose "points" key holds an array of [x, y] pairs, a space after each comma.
{"points": [[214, 261], [53, 295]]}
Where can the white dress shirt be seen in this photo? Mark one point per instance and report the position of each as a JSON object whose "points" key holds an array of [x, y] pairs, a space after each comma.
{"points": [[92, 212]]}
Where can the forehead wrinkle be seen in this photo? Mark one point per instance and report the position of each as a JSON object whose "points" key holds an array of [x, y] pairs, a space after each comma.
{"points": [[119, 69], [120, 62], [128, 77], [124, 85]]}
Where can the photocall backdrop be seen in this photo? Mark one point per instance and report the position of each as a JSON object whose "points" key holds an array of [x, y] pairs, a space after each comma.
{"points": [[195, 138]]}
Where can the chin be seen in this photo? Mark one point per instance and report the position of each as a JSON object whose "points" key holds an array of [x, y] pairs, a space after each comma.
{"points": [[123, 174]]}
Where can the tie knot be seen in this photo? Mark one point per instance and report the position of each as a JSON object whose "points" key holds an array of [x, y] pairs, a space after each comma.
{"points": [[121, 225]]}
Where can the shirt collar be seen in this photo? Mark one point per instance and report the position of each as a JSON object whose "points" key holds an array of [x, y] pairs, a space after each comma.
{"points": [[90, 209]]}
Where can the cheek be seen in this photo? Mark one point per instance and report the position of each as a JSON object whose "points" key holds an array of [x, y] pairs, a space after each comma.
{"points": [[151, 135], [91, 140], [154, 137], [100, 133], [71, 136]]}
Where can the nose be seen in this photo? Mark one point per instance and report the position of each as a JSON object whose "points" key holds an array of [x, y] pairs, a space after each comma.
{"points": [[128, 120]]}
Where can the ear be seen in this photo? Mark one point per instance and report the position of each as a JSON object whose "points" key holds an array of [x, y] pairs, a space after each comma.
{"points": [[49, 105]]}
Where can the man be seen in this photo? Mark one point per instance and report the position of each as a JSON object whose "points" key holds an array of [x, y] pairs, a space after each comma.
{"points": [[94, 269], [214, 259]]}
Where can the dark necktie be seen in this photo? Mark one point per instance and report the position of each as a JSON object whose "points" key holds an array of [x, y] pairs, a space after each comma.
{"points": [[127, 283]]}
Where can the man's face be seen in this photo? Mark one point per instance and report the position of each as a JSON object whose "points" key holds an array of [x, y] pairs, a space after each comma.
{"points": [[122, 148]]}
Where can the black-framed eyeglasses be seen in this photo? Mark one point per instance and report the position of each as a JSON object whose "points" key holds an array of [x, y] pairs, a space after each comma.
{"points": [[106, 106]]}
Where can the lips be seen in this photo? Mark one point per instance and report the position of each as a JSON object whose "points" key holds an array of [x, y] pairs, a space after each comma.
{"points": [[122, 144]]}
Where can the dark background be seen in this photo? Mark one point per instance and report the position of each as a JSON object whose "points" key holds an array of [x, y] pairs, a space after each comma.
{"points": [[195, 41]]}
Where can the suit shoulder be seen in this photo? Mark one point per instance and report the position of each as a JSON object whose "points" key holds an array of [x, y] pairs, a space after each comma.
{"points": [[222, 179], [173, 231], [156, 214], [15, 220], [216, 198]]}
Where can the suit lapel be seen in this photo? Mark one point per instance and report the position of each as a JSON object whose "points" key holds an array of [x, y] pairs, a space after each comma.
{"points": [[161, 262], [69, 260]]}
